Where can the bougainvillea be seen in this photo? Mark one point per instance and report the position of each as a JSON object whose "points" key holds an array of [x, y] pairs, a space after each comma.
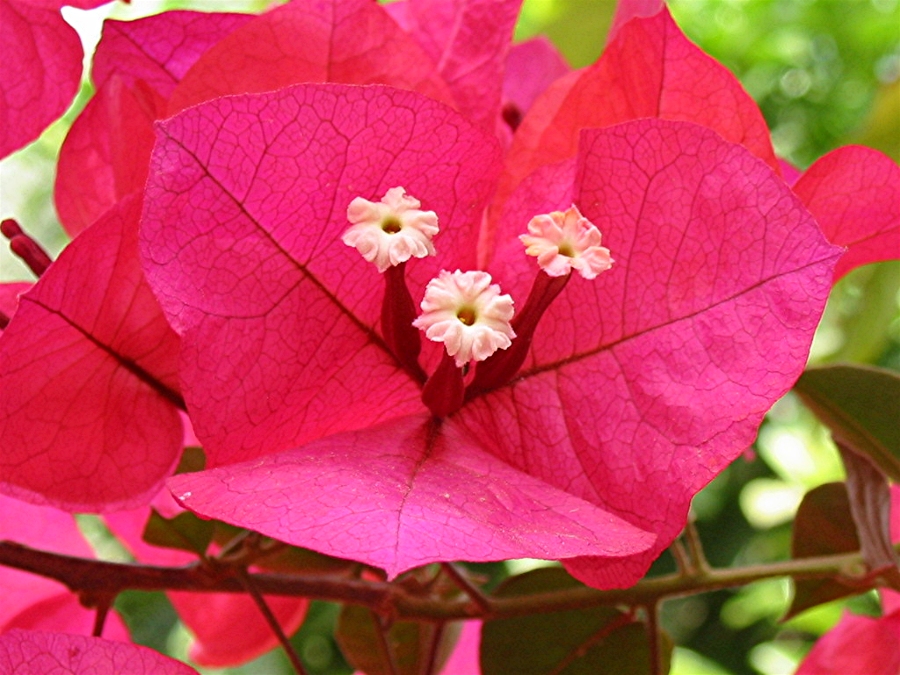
{"points": [[97, 423], [42, 58], [260, 275], [416, 310], [23, 652]]}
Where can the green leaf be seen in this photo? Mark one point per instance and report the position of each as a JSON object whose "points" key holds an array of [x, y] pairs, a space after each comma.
{"points": [[293, 559], [593, 641], [185, 532], [577, 28], [192, 459], [403, 648], [861, 406], [823, 526]]}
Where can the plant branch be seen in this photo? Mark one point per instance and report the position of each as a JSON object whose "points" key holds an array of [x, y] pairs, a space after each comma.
{"points": [[244, 577], [653, 629], [384, 644], [434, 647], [682, 558], [460, 579], [86, 575], [695, 546]]}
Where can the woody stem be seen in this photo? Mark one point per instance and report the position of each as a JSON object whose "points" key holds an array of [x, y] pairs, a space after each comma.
{"points": [[81, 574]]}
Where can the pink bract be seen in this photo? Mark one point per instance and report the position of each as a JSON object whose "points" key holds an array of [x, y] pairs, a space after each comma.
{"points": [[136, 67], [626, 10], [34, 602], [469, 41], [27, 652], [854, 193], [247, 201], [531, 67], [673, 360], [858, 645], [99, 162], [862, 645], [9, 296], [88, 415], [649, 69], [351, 41], [638, 389], [465, 659], [41, 56], [159, 49]]}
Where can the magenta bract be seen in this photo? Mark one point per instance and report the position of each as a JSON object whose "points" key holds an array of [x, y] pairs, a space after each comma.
{"points": [[862, 644], [628, 403], [638, 388], [854, 193], [87, 408], [104, 157], [649, 69], [159, 49], [469, 41], [351, 41], [632, 393], [38, 603], [41, 56], [27, 651]]}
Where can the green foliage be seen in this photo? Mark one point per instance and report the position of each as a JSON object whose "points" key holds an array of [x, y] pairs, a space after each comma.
{"points": [[185, 532], [400, 648], [814, 67], [861, 406], [823, 526], [597, 640]]}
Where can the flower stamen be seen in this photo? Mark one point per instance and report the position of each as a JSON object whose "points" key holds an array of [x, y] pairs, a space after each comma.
{"points": [[466, 315], [391, 225]]}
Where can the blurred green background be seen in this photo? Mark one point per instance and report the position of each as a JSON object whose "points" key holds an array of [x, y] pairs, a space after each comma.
{"points": [[825, 73]]}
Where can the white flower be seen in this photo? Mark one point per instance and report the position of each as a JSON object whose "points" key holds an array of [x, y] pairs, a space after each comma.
{"points": [[563, 241], [391, 231], [467, 313]]}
